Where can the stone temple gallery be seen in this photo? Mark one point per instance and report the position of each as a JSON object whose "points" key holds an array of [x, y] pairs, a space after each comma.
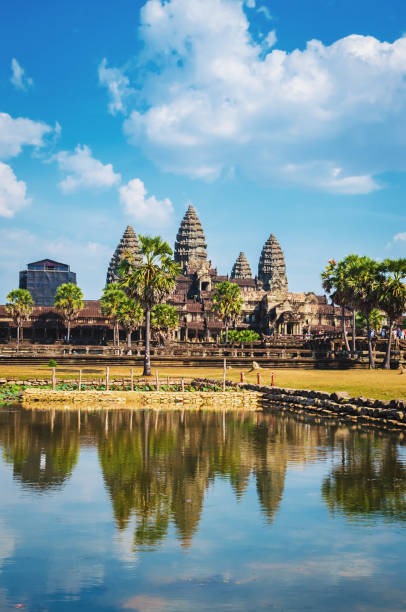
{"points": [[269, 307]]}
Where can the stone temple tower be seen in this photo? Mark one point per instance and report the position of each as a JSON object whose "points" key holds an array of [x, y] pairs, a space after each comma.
{"points": [[127, 244], [241, 268], [272, 268], [190, 245]]}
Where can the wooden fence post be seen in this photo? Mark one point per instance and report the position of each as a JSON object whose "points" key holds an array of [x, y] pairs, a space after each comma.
{"points": [[224, 374], [53, 379], [80, 380], [258, 378], [183, 385], [107, 378], [132, 379], [157, 380], [242, 377]]}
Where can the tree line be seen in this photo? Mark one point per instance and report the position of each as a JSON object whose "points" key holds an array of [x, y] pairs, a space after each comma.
{"points": [[364, 285]]}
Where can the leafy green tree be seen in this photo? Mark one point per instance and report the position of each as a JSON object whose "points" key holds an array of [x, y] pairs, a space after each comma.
{"points": [[227, 303], [365, 282], [164, 319], [130, 316], [375, 321], [334, 281], [112, 298], [19, 307], [149, 282], [69, 300], [392, 296], [243, 336]]}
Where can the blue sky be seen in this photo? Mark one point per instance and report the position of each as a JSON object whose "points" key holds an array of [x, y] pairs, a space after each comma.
{"points": [[284, 117]]}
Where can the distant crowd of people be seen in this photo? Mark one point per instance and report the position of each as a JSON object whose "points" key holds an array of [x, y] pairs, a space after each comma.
{"points": [[398, 334]]}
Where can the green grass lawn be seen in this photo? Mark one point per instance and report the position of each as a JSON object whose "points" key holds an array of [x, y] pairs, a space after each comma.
{"points": [[379, 384]]}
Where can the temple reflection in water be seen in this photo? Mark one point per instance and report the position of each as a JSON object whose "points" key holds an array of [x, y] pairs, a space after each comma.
{"points": [[158, 466]]}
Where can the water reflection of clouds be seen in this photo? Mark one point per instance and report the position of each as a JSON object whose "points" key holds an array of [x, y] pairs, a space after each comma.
{"points": [[333, 567], [145, 603], [7, 543]]}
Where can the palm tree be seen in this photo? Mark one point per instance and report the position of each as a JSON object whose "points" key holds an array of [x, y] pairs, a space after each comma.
{"points": [[164, 318], [334, 281], [19, 306], [130, 315], [112, 298], [69, 299], [227, 303], [351, 263], [392, 296], [149, 282], [367, 277]]}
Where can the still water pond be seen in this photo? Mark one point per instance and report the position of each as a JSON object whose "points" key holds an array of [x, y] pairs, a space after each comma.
{"points": [[155, 511]]}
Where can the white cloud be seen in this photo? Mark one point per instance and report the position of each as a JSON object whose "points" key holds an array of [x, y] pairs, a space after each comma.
{"points": [[147, 210], [16, 133], [265, 10], [83, 170], [211, 99], [117, 84], [12, 192], [401, 237], [270, 40], [18, 78], [250, 3]]}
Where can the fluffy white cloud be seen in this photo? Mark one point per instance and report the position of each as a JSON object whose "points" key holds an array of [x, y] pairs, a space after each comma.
{"points": [[16, 133], [83, 170], [250, 3], [401, 237], [212, 98], [18, 78], [118, 87], [12, 192], [148, 210]]}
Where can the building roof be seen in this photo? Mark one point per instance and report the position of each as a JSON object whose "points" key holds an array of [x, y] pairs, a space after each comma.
{"points": [[47, 261]]}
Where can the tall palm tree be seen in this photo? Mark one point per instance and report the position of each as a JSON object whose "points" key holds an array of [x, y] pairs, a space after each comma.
{"points": [[351, 263], [69, 299], [164, 318], [334, 281], [112, 298], [392, 296], [19, 306], [227, 303], [130, 315], [149, 282], [367, 277]]}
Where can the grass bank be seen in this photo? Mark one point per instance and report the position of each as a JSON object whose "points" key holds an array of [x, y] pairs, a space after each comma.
{"points": [[379, 384]]}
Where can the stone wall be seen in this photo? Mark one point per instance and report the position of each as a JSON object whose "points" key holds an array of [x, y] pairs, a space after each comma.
{"points": [[382, 412], [205, 400]]}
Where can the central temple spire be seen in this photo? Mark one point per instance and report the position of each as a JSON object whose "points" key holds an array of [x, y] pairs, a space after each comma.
{"points": [[241, 269], [272, 268], [190, 245]]}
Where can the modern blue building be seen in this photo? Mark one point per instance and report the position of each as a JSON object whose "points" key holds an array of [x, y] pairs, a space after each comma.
{"points": [[42, 279]]}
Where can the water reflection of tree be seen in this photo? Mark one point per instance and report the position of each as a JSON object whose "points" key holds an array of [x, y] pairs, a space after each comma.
{"points": [[43, 447], [158, 466], [369, 479]]}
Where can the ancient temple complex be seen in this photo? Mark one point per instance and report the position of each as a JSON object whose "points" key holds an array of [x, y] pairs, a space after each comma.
{"points": [[268, 307]]}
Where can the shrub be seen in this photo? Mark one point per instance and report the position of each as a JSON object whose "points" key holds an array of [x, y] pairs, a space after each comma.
{"points": [[52, 363]]}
